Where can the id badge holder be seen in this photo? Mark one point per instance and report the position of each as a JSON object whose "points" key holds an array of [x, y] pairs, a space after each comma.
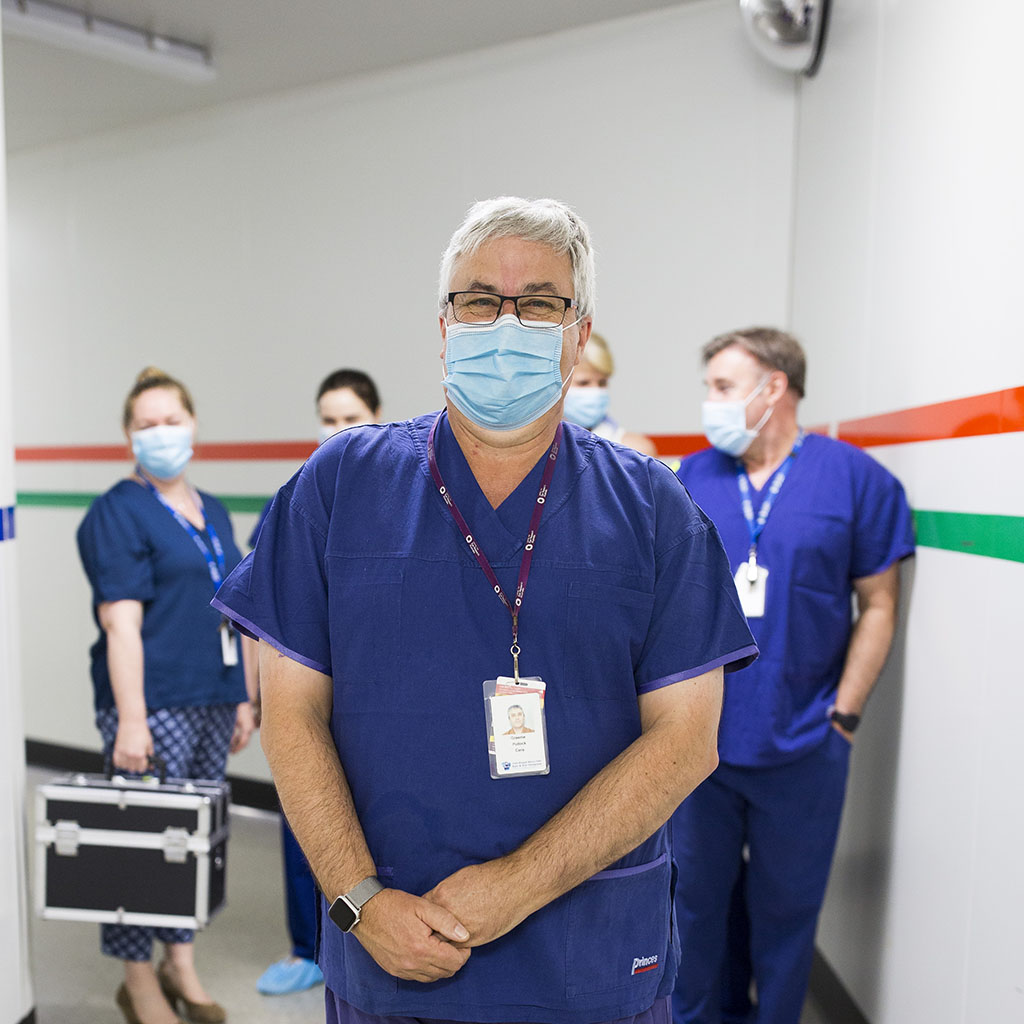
{"points": [[517, 735], [751, 583], [228, 644]]}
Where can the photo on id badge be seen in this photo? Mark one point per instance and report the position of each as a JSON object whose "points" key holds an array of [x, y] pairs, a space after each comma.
{"points": [[516, 725]]}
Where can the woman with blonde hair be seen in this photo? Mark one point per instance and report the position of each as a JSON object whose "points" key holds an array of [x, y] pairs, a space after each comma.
{"points": [[586, 401], [167, 670]]}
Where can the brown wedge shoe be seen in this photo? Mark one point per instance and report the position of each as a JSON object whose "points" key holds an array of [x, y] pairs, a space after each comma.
{"points": [[198, 1013], [127, 1007]]}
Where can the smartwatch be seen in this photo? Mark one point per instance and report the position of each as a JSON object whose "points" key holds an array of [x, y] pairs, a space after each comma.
{"points": [[346, 910], [844, 720]]}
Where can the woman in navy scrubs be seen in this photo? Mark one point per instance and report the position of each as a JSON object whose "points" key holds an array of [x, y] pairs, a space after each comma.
{"points": [[167, 672], [346, 398]]}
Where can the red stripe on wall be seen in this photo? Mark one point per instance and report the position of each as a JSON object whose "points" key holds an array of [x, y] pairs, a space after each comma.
{"points": [[998, 412], [212, 451]]}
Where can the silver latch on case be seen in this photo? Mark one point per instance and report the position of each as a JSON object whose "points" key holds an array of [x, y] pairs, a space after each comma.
{"points": [[65, 838], [175, 845]]}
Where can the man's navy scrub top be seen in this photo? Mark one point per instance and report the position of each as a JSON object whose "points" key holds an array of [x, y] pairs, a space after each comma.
{"points": [[361, 573], [133, 549], [839, 516]]}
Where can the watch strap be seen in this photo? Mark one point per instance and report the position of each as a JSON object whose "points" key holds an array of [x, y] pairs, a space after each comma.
{"points": [[846, 720], [359, 895]]}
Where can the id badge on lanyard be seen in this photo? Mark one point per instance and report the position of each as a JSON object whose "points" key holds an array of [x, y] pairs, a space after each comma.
{"points": [[751, 578], [228, 644], [215, 563], [517, 737]]}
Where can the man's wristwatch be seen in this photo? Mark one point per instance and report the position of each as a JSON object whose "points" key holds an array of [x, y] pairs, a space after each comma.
{"points": [[346, 910], [844, 720]]}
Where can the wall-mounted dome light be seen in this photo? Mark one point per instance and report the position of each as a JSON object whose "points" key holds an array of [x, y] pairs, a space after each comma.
{"points": [[788, 33]]}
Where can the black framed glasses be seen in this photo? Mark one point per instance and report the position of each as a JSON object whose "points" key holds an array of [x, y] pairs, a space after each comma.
{"points": [[532, 310]]}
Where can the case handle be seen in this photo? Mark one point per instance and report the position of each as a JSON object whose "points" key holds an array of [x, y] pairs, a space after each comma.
{"points": [[155, 763]]}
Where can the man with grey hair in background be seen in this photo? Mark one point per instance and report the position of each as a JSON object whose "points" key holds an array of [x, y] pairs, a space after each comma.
{"points": [[808, 523], [412, 581]]}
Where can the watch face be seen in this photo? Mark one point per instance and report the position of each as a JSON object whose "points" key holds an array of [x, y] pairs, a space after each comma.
{"points": [[343, 914]]}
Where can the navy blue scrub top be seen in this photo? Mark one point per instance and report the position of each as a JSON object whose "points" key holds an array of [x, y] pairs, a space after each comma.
{"points": [[132, 548], [839, 516], [361, 573]]}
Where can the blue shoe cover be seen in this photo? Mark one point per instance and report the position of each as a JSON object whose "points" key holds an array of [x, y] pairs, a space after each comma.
{"points": [[289, 975]]}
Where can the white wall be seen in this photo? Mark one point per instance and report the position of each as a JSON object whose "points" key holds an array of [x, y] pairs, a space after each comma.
{"points": [[907, 266], [15, 981], [252, 248]]}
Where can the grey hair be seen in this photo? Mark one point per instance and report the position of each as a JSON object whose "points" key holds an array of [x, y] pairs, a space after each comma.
{"points": [[772, 348], [546, 221]]}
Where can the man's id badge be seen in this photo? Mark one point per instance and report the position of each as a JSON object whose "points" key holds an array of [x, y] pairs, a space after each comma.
{"points": [[750, 589], [517, 737]]}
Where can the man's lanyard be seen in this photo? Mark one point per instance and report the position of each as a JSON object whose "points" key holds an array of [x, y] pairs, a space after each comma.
{"points": [[531, 537], [215, 561], [756, 526]]}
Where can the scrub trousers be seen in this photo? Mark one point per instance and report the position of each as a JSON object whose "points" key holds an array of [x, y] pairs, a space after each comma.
{"points": [[300, 895], [757, 917], [340, 1012], [194, 745]]}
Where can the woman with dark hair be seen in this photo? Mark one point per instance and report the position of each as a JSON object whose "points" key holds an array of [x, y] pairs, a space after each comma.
{"points": [[345, 398]]}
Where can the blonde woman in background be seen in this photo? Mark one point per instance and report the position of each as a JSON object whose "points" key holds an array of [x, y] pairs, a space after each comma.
{"points": [[586, 401]]}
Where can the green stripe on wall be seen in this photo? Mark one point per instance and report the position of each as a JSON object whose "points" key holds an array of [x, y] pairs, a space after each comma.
{"points": [[972, 534], [966, 532], [83, 499], [55, 499]]}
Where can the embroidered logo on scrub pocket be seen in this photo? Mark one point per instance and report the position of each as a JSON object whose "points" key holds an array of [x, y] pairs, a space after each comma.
{"points": [[644, 963]]}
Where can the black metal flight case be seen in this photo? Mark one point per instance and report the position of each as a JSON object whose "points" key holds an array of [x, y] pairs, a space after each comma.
{"points": [[143, 851]]}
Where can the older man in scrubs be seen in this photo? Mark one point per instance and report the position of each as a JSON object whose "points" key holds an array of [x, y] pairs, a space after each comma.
{"points": [[415, 579]]}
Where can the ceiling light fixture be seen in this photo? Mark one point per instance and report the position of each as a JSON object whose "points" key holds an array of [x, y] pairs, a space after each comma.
{"points": [[788, 33], [57, 25]]}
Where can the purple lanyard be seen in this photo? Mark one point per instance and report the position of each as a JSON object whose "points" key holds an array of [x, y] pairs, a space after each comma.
{"points": [[215, 560], [531, 537]]}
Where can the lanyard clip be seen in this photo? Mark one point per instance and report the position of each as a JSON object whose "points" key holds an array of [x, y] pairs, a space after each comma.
{"points": [[752, 566], [514, 650]]}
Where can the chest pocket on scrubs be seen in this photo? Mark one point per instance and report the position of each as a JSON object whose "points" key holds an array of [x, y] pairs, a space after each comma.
{"points": [[365, 615], [605, 625], [619, 927]]}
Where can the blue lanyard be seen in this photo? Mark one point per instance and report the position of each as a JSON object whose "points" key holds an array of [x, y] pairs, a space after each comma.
{"points": [[215, 560], [756, 526]]}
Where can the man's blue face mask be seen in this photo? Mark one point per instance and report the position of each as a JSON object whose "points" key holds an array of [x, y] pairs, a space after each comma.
{"points": [[503, 375], [725, 423]]}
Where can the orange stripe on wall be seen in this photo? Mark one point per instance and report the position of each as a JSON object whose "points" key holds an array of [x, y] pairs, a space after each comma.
{"points": [[998, 412], [213, 451], [678, 444]]}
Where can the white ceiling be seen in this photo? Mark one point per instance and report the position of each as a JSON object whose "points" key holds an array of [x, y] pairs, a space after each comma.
{"points": [[260, 46]]}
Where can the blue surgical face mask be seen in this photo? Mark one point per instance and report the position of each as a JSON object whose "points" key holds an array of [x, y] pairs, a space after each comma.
{"points": [[163, 451], [586, 406], [503, 375], [725, 423]]}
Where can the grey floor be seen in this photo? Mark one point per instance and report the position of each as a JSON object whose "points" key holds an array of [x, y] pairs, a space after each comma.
{"points": [[75, 984]]}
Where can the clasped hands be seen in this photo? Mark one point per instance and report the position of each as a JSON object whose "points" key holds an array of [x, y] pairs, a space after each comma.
{"points": [[425, 938]]}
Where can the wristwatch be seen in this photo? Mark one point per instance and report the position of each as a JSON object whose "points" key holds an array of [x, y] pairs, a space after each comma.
{"points": [[346, 910], [845, 720]]}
